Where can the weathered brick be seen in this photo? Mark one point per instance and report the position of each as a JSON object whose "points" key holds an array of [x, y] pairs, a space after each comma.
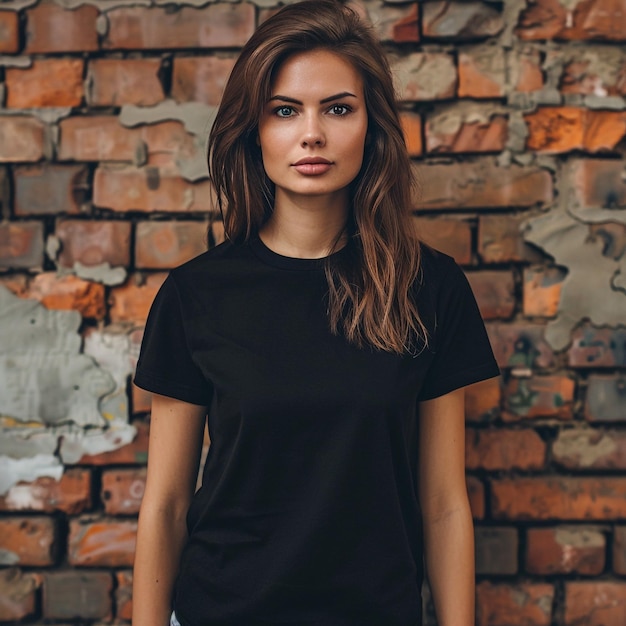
{"points": [[412, 128], [539, 396], [21, 245], [542, 290], [481, 184], [406, 29], [164, 245], [500, 239], [619, 550], [496, 550], [425, 76], [551, 19], [115, 82], [525, 70], [597, 183], [463, 127], [606, 398], [122, 490], [595, 603], [494, 292], [476, 495], [131, 301], [124, 595], [50, 189], [93, 243], [482, 400], [102, 542], [520, 345], [565, 550], [597, 347], [21, 139], [482, 71], [77, 595], [17, 594], [591, 70], [71, 494], [554, 130], [221, 25], [46, 83], [504, 449], [27, 541], [559, 498], [586, 448], [460, 20], [9, 32], [51, 28], [451, 236], [200, 79], [134, 453], [149, 189], [523, 604]]}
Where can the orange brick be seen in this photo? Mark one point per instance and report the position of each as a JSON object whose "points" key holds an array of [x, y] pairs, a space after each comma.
{"points": [[115, 82], [539, 396], [482, 400], [482, 72], [542, 291], [527, 604], [47, 83], [425, 76], [21, 139], [451, 236], [71, 494], [476, 494], [124, 595], [122, 490], [504, 449], [27, 540], [500, 239], [494, 293], [520, 346], [134, 453], [164, 245], [443, 20], [9, 32], [200, 79], [586, 448], [21, 245], [597, 347], [101, 542], [18, 594], [595, 603], [406, 29], [131, 302], [412, 127], [222, 25], [50, 28]]}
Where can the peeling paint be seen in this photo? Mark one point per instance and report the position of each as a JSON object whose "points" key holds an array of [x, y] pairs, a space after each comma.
{"points": [[21, 62], [449, 118], [585, 446], [76, 443], [8, 558], [579, 537], [27, 469], [102, 273]]}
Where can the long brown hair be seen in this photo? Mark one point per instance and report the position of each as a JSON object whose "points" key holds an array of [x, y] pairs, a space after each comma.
{"points": [[370, 298]]}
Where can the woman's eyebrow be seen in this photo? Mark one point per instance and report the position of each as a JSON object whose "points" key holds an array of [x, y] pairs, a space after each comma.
{"points": [[337, 96]]}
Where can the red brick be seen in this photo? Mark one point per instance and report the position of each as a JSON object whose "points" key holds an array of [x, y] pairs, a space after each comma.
{"points": [[93, 243], [494, 292], [451, 236], [21, 139], [482, 72], [556, 130], [585, 71], [606, 398], [460, 20], [200, 79], [551, 19], [134, 453], [406, 29], [597, 183], [412, 128], [131, 302], [496, 550], [215, 26], [559, 498], [50, 189], [595, 603], [586, 448], [122, 490], [50, 28], [21, 245], [565, 550], [527, 75], [476, 495], [500, 239], [504, 449], [71, 494], [47, 83], [101, 542], [68, 293], [27, 541], [597, 347], [124, 595], [74, 594], [522, 604], [542, 291], [482, 400], [425, 76], [519, 345], [481, 184], [539, 396], [115, 82], [9, 32], [164, 245], [17, 594], [619, 550]]}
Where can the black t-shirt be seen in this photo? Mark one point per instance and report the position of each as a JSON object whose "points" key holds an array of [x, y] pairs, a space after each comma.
{"points": [[308, 512]]}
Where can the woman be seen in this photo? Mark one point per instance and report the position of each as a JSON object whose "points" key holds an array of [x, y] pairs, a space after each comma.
{"points": [[329, 350]]}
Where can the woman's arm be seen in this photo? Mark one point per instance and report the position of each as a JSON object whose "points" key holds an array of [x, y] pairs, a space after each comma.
{"points": [[448, 528], [176, 431]]}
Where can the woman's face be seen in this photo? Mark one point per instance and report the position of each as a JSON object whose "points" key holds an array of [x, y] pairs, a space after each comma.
{"points": [[312, 131]]}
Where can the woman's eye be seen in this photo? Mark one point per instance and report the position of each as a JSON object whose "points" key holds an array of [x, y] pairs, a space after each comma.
{"points": [[284, 111], [339, 109]]}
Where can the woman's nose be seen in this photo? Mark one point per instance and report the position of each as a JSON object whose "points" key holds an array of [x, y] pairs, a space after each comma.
{"points": [[313, 133]]}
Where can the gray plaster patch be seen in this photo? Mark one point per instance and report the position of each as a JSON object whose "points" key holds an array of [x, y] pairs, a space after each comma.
{"points": [[21, 62], [18, 5], [614, 103], [28, 469], [102, 273]]}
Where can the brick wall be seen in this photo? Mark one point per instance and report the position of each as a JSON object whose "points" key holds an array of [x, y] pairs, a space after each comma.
{"points": [[515, 114]]}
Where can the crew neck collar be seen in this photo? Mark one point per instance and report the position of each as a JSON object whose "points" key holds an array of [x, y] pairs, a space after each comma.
{"points": [[281, 261]]}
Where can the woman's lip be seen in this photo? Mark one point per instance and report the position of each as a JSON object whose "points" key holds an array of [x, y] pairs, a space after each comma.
{"points": [[312, 169]]}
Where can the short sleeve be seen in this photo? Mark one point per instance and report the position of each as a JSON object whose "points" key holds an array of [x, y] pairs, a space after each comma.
{"points": [[165, 364], [462, 352]]}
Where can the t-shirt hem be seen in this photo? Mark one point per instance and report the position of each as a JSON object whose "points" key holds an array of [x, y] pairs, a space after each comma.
{"points": [[462, 379], [156, 384]]}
